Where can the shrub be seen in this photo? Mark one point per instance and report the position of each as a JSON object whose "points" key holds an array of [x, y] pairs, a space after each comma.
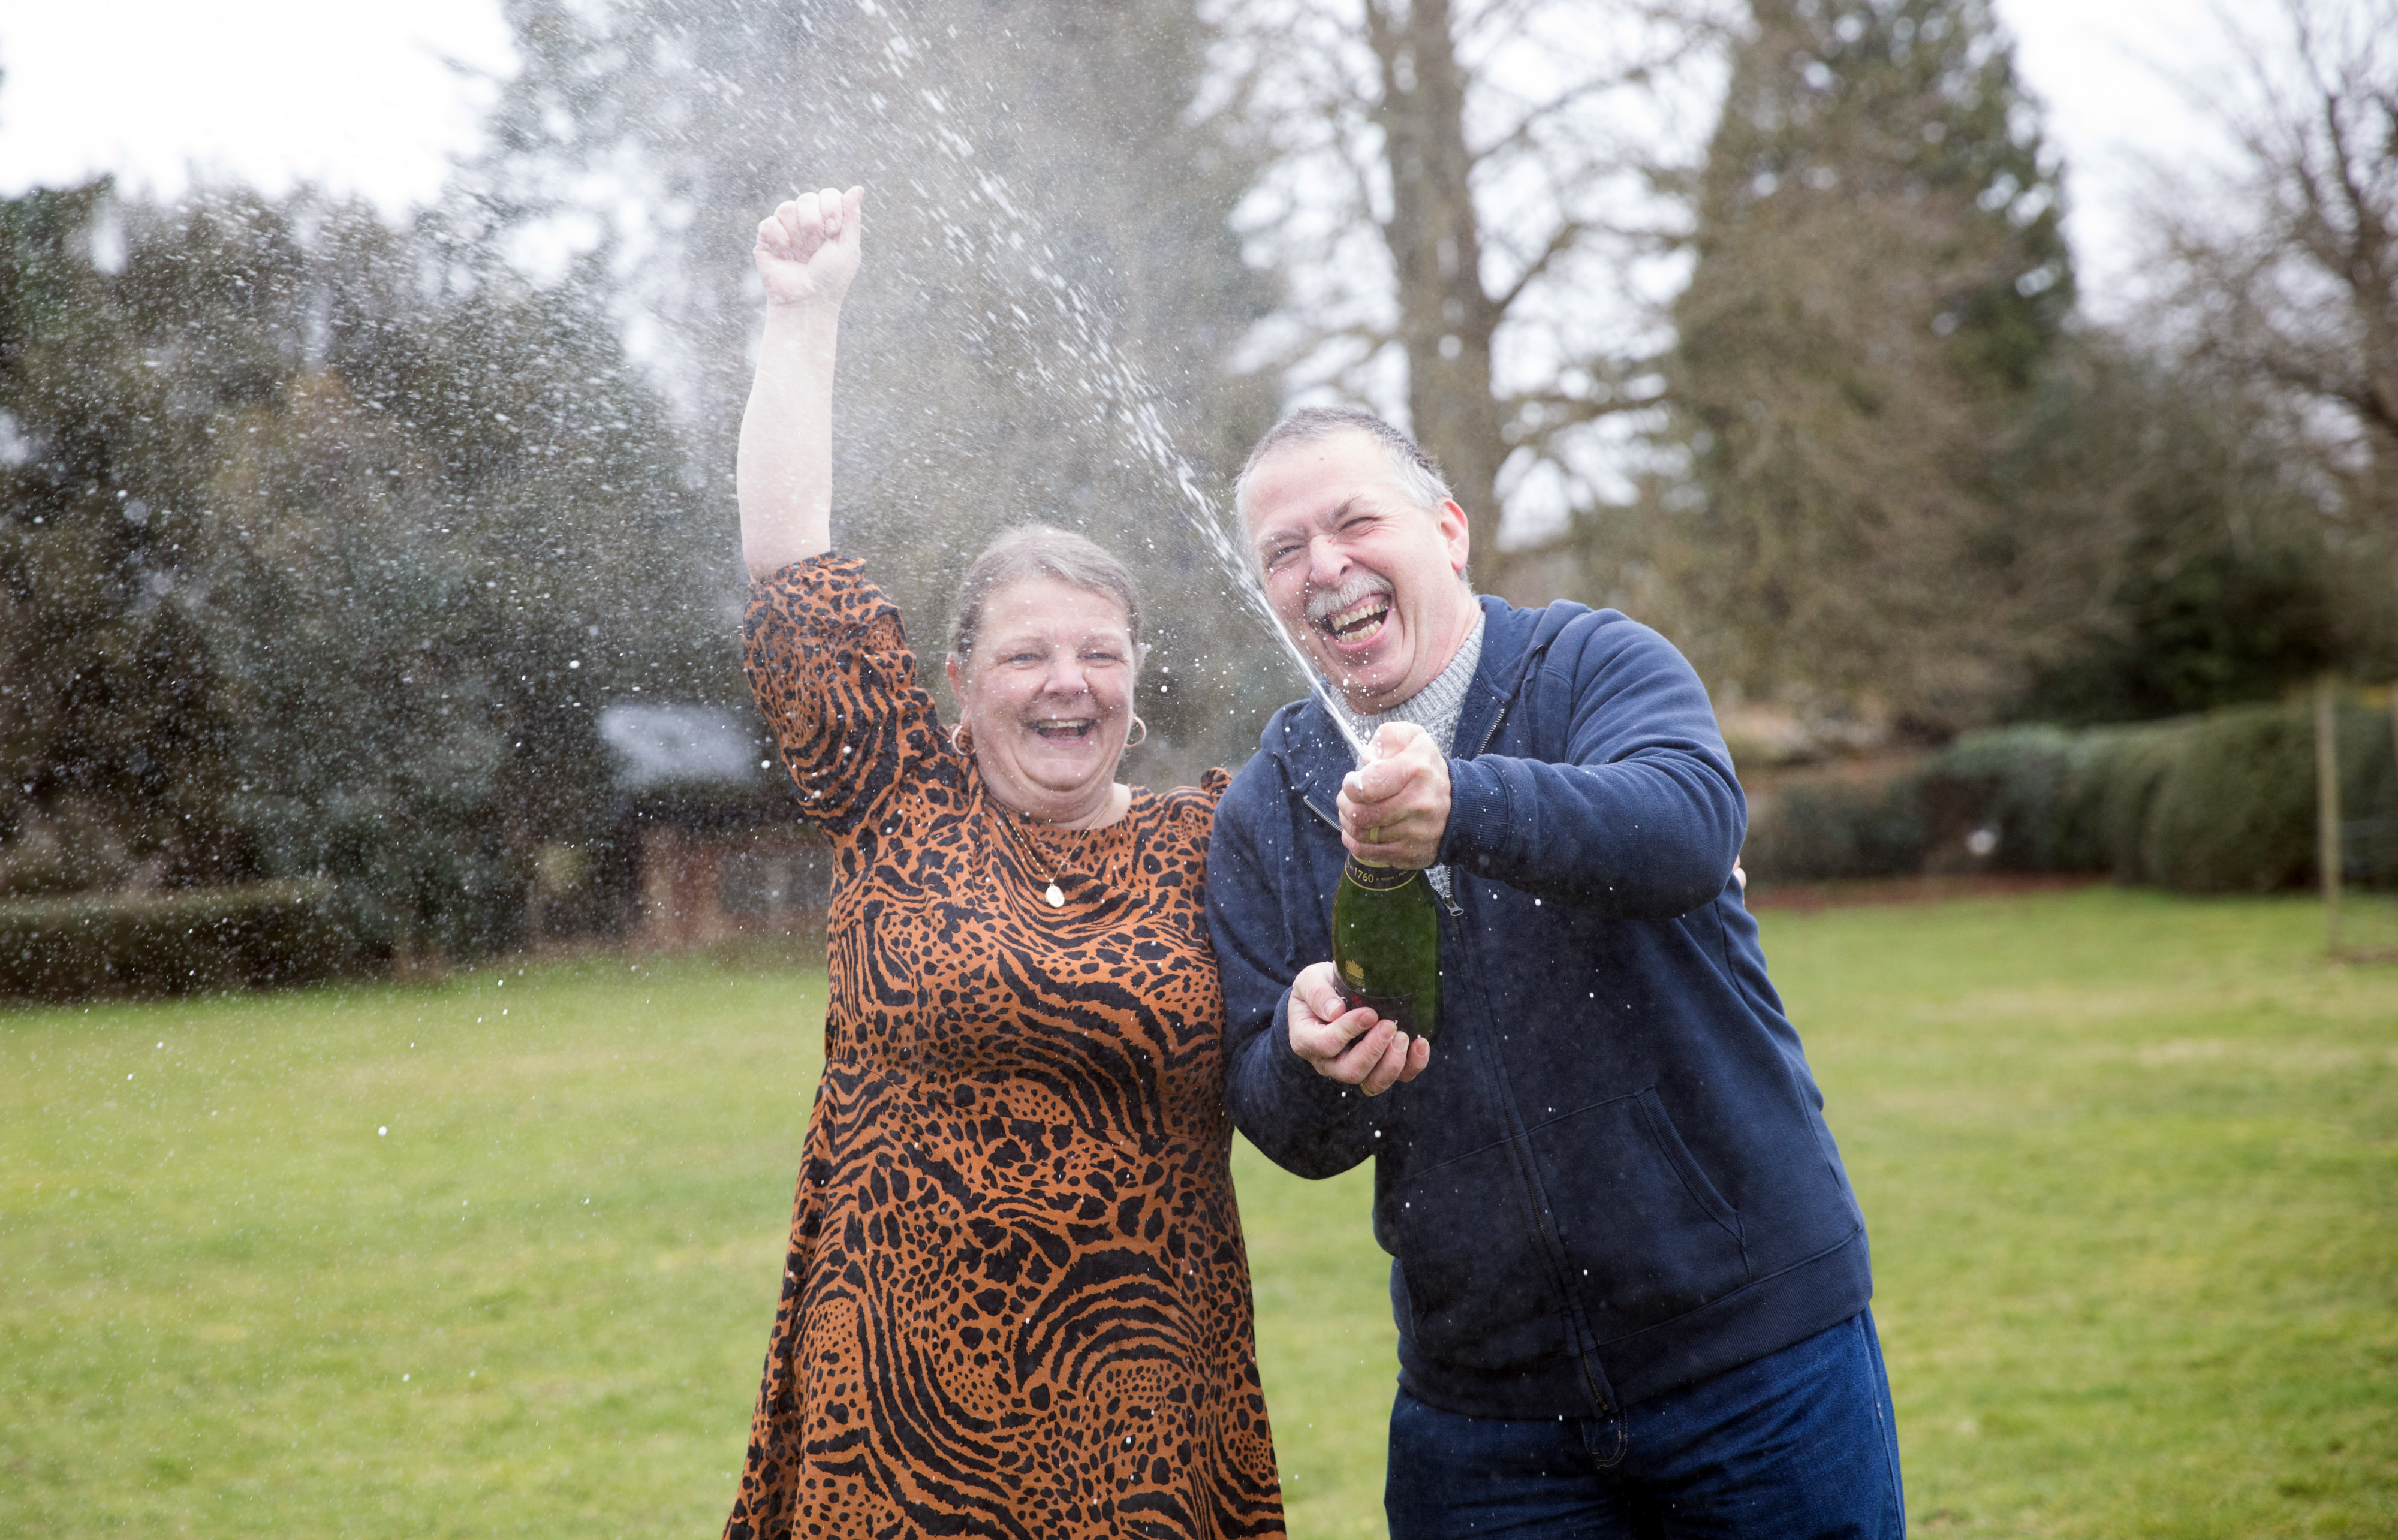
{"points": [[2117, 779], [2010, 783], [2235, 807], [2368, 796], [1830, 831], [2215, 803], [186, 943]]}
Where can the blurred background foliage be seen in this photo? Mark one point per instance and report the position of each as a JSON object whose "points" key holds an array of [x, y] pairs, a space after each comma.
{"points": [[323, 538], [2217, 802], [1916, 484]]}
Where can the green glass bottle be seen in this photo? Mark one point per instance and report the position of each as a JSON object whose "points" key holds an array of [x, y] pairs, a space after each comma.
{"points": [[1386, 945]]}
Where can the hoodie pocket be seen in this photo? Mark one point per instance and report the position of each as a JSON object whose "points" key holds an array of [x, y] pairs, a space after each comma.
{"points": [[1476, 1285], [1646, 1235]]}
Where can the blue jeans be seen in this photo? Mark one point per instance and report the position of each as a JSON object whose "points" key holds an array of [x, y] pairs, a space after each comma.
{"points": [[1799, 1444]]}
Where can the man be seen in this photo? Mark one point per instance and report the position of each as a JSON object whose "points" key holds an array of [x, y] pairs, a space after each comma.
{"points": [[1631, 1278]]}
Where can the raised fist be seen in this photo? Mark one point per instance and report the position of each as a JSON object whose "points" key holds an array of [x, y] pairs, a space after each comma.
{"points": [[807, 250]]}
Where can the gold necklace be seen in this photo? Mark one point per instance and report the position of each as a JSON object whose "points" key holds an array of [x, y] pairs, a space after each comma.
{"points": [[1053, 894]]}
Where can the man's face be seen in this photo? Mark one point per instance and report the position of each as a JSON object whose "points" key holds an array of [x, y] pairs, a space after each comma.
{"points": [[1369, 581]]}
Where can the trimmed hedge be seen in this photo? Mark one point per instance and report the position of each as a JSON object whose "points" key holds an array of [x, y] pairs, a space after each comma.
{"points": [[1828, 831], [186, 943], [2218, 802]]}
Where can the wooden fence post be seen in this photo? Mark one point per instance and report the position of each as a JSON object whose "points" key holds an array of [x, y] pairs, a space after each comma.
{"points": [[2327, 806]]}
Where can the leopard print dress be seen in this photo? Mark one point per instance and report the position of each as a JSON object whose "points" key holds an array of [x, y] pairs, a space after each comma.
{"points": [[1016, 1301]]}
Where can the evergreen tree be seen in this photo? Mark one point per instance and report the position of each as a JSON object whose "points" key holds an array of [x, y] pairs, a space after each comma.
{"points": [[323, 543], [1880, 282], [114, 733]]}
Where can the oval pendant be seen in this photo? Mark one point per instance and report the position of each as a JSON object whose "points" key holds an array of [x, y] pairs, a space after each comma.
{"points": [[1057, 899]]}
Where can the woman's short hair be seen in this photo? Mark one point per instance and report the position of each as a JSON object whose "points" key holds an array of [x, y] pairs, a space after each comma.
{"points": [[1417, 474], [1038, 550]]}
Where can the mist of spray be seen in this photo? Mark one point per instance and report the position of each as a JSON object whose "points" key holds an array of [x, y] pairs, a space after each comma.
{"points": [[1120, 399]]}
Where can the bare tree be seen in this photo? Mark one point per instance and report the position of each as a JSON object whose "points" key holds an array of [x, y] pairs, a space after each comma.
{"points": [[2288, 267], [1470, 203]]}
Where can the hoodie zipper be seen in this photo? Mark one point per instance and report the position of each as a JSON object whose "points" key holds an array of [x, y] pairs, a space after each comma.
{"points": [[1447, 902], [1519, 1140]]}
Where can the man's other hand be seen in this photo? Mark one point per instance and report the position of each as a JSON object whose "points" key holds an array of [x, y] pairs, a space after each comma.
{"points": [[1395, 811], [1355, 1048]]}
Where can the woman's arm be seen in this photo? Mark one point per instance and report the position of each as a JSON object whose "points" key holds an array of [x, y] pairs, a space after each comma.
{"points": [[807, 252]]}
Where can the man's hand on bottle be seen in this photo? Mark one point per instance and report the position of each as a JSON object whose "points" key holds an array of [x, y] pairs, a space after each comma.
{"points": [[1355, 1048], [1395, 811]]}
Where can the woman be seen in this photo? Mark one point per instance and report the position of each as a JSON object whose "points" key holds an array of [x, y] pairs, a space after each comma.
{"points": [[1016, 1301]]}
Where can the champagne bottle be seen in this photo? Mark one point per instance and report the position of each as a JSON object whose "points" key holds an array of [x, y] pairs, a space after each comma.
{"points": [[1386, 945]]}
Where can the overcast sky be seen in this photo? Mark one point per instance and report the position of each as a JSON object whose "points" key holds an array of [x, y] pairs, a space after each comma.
{"points": [[364, 98]]}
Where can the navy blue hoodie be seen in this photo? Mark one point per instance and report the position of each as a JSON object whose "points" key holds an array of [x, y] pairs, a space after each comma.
{"points": [[1615, 1177]]}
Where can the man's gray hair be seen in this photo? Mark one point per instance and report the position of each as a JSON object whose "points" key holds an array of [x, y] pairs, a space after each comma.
{"points": [[1038, 550], [1417, 474]]}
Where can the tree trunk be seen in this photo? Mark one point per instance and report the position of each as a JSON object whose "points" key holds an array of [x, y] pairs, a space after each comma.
{"points": [[1445, 320]]}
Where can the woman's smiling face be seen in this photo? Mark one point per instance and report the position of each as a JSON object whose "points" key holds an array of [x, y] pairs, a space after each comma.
{"points": [[1047, 696]]}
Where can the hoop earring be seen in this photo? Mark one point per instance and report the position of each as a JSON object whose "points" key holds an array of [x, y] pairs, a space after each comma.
{"points": [[962, 739], [1141, 733]]}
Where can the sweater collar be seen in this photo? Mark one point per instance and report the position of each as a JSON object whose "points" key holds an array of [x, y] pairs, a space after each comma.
{"points": [[1434, 707], [1313, 749]]}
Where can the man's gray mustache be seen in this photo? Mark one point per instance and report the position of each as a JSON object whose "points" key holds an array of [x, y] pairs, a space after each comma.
{"points": [[1323, 606]]}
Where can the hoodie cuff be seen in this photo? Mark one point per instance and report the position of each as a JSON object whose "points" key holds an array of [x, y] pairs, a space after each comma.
{"points": [[1479, 817]]}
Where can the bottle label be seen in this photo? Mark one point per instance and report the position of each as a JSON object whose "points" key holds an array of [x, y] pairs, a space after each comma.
{"points": [[1399, 1008], [1379, 879]]}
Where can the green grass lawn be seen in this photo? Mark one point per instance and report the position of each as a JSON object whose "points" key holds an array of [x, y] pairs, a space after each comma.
{"points": [[498, 1255]]}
